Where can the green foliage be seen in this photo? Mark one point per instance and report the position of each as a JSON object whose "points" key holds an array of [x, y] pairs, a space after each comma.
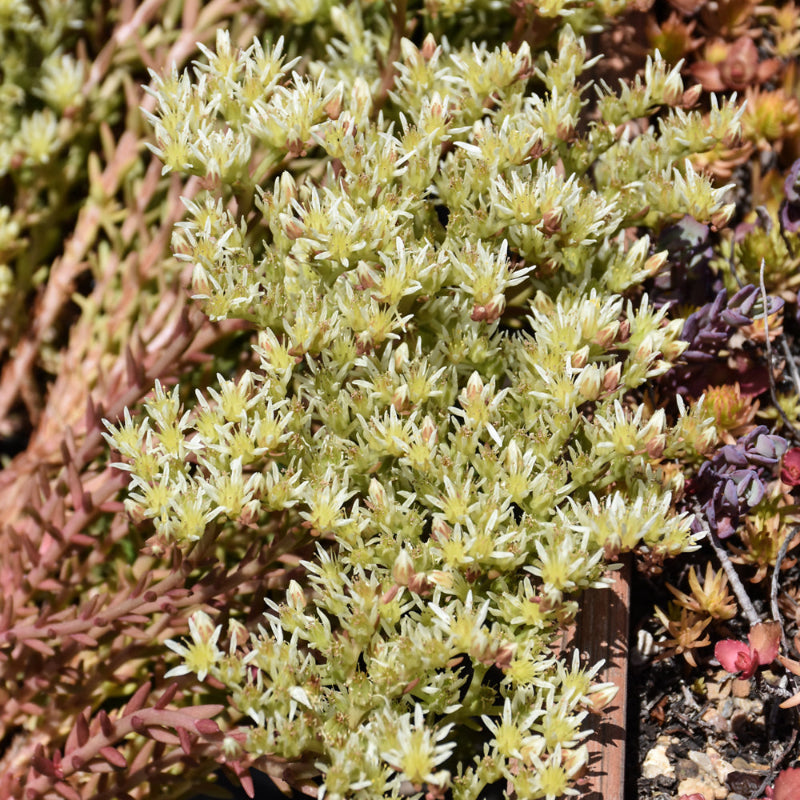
{"points": [[441, 405]]}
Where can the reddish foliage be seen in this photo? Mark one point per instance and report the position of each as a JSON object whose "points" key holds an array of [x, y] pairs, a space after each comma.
{"points": [[736, 656], [790, 471]]}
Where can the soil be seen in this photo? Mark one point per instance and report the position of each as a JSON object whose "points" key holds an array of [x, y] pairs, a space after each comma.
{"points": [[698, 730]]}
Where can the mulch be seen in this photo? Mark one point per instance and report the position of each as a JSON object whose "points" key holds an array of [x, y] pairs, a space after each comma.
{"points": [[699, 730]]}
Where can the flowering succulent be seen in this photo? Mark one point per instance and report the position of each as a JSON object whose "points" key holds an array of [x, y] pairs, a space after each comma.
{"points": [[437, 421], [785, 29], [439, 276], [763, 242]]}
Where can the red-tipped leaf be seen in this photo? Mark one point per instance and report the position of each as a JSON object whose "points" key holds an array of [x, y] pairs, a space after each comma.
{"points": [[114, 757]]}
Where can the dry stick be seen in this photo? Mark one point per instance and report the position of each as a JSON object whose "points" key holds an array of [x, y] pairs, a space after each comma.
{"points": [[733, 578], [773, 599], [790, 361], [772, 389], [776, 764]]}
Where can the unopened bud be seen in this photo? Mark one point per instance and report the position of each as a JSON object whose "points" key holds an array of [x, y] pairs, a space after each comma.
{"points": [[644, 351], [671, 350], [428, 431], [287, 188], [673, 96], [692, 95], [390, 595], [237, 633], [602, 696], [654, 264], [525, 61], [400, 397], [250, 512], [428, 47], [495, 307], [419, 584], [655, 447], [377, 495], [295, 596], [440, 530], [474, 386], [293, 229], [403, 569], [551, 221], [401, 358], [565, 130], [588, 383], [580, 358], [514, 460], [439, 577], [478, 313], [505, 655], [202, 626], [134, 511], [722, 217], [612, 377], [706, 440], [537, 150], [361, 99], [367, 277], [334, 106], [606, 336]]}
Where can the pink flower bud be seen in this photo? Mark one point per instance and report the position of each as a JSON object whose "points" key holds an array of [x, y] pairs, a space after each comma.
{"points": [[403, 569]]}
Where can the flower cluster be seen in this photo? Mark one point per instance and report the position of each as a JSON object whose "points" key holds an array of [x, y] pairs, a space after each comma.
{"points": [[437, 418]]}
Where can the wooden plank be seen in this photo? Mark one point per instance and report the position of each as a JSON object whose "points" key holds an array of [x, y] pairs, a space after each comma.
{"points": [[602, 633]]}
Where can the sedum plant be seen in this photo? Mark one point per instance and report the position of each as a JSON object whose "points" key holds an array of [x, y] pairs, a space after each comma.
{"points": [[442, 267]]}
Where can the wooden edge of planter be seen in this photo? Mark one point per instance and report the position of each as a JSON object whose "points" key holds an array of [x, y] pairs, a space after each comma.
{"points": [[601, 633]]}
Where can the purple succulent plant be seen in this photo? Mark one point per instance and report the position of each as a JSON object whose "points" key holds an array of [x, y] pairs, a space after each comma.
{"points": [[708, 331], [790, 209], [733, 480]]}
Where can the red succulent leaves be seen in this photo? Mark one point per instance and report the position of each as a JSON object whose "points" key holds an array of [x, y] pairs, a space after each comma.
{"points": [[787, 785], [790, 471], [736, 656], [733, 66]]}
